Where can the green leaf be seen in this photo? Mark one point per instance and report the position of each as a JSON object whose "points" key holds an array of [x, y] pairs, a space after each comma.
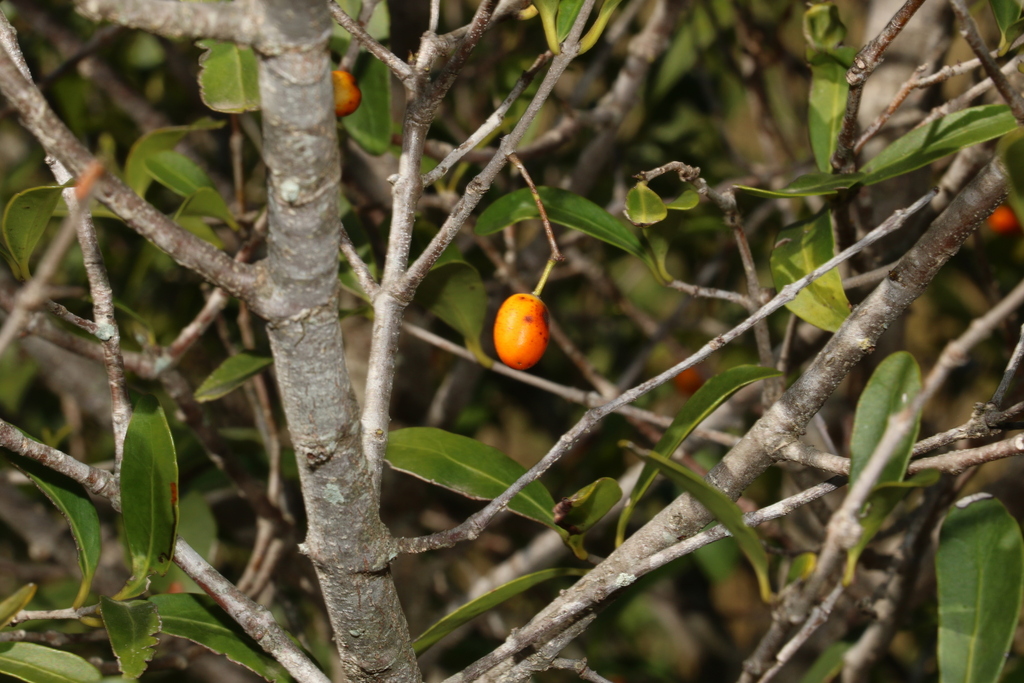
{"points": [[25, 219], [828, 665], [644, 207], [40, 664], [73, 502], [228, 78], [939, 138], [1006, 12], [809, 185], [724, 510], [799, 249], [979, 570], [686, 201], [880, 503], [231, 374], [149, 495], [485, 602], [206, 201], [565, 208], [370, 124], [454, 292], [585, 508], [16, 602], [568, 10], [591, 37], [826, 106], [893, 385], [177, 172], [162, 139], [132, 628], [659, 239], [199, 619], [466, 466], [198, 527], [704, 401], [823, 29]]}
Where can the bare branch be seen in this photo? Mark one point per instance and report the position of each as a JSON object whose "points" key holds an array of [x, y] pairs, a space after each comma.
{"points": [[401, 70], [969, 30], [236, 22], [864, 65]]}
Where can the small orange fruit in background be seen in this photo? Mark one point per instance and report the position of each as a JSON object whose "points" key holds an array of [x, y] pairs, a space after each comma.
{"points": [[1003, 221], [688, 381], [521, 331], [346, 93]]}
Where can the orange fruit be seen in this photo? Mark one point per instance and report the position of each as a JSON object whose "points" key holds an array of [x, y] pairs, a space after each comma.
{"points": [[688, 381], [521, 331], [1003, 221], [346, 93]]}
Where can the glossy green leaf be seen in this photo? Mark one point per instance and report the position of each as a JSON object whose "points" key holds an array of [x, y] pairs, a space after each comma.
{"points": [[468, 467], [709, 397], [686, 201], [206, 201], [568, 10], [880, 503], [644, 207], [486, 602], [177, 172], [826, 106], [149, 495], [231, 374], [198, 527], [132, 628], [370, 124], [823, 29], [979, 567], [593, 34], [724, 510], [828, 664], [565, 208], [228, 78], [40, 664], [799, 249], [938, 139], [809, 185], [135, 174], [454, 292], [893, 385], [585, 508], [73, 502], [1006, 12], [199, 619], [15, 602], [25, 219]]}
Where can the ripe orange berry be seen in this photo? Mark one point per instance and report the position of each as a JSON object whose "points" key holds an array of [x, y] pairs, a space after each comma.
{"points": [[1003, 221], [346, 93], [688, 381], [521, 331]]}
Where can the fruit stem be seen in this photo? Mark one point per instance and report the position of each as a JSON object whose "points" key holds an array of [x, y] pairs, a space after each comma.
{"points": [[544, 277]]}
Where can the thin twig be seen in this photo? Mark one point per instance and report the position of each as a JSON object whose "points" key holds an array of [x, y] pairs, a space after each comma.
{"points": [[556, 255], [1010, 372], [819, 615], [969, 30], [864, 65]]}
